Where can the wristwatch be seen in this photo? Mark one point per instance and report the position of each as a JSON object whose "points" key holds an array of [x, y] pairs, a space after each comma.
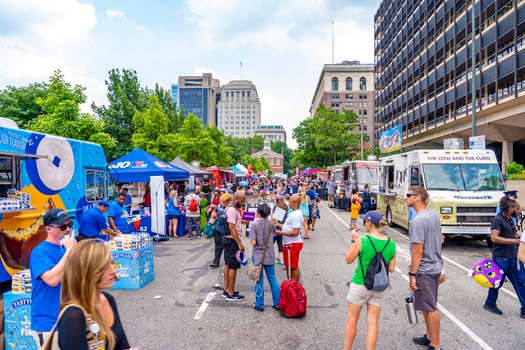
{"points": [[411, 274], [352, 241]]}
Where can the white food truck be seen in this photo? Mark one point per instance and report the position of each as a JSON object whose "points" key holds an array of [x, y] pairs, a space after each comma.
{"points": [[464, 188]]}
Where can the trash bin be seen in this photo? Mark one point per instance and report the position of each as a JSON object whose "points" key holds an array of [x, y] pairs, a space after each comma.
{"points": [[323, 193], [342, 203]]}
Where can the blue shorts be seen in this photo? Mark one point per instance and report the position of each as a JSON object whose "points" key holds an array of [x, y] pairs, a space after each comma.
{"points": [[174, 216]]}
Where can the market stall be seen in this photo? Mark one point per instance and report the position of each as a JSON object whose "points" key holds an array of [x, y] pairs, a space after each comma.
{"points": [[140, 166]]}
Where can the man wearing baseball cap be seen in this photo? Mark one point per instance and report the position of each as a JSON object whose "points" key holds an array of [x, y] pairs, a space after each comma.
{"points": [[93, 223], [46, 263]]}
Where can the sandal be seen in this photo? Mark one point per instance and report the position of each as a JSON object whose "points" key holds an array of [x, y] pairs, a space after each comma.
{"points": [[256, 308]]}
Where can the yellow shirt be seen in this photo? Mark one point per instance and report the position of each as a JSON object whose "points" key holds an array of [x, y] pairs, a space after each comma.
{"points": [[354, 211]]}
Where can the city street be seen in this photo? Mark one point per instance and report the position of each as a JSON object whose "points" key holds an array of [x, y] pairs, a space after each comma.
{"points": [[181, 309]]}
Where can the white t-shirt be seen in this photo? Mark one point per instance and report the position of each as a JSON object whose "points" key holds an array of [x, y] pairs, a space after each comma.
{"points": [[523, 237], [294, 220]]}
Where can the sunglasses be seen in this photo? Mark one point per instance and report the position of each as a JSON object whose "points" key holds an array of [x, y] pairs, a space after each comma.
{"points": [[412, 194], [62, 227]]}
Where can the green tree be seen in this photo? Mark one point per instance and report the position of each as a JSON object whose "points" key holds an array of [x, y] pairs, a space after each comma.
{"points": [[220, 149], [152, 131], [194, 143], [19, 103], [125, 96], [279, 147], [61, 114], [241, 146], [327, 138], [258, 164], [175, 115]]}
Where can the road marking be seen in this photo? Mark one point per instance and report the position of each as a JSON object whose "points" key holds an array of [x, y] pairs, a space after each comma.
{"points": [[204, 305], [344, 223], [458, 323], [512, 294]]}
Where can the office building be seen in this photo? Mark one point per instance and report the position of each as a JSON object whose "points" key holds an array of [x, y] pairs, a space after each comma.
{"points": [[197, 95], [239, 109], [423, 72], [175, 93], [271, 133], [348, 86]]}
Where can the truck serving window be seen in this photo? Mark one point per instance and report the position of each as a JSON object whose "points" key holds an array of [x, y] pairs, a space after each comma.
{"points": [[367, 175], [94, 185], [463, 177]]}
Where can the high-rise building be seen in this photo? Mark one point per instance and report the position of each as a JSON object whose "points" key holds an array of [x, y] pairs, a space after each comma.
{"points": [[348, 86], [175, 93], [423, 53], [239, 109], [271, 132], [197, 94]]}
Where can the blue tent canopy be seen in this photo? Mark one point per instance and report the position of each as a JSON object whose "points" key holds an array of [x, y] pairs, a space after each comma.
{"points": [[139, 165]]}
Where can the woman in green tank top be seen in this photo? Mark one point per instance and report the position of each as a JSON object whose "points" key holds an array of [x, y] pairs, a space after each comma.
{"points": [[364, 248]]}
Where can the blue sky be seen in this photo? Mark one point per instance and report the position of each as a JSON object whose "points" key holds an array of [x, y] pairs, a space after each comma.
{"points": [[283, 44]]}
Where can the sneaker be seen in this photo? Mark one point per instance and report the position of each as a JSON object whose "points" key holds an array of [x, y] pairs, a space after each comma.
{"points": [[214, 265], [199, 237], [430, 347], [278, 262], [522, 315], [224, 294], [493, 308], [424, 340], [235, 297], [190, 237]]}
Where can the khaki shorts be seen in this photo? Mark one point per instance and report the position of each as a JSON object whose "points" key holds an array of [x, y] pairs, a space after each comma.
{"points": [[331, 198], [359, 295]]}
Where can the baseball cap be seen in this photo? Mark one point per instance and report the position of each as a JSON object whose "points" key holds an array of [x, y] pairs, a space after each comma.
{"points": [[223, 189], [142, 204], [55, 216], [216, 189], [511, 193], [191, 189], [373, 216], [103, 203], [241, 257], [229, 184]]}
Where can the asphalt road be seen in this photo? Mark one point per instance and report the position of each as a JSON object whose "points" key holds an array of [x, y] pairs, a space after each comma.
{"points": [[190, 314]]}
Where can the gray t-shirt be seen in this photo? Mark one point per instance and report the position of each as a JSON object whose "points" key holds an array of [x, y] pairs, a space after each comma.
{"points": [[332, 186], [426, 229]]}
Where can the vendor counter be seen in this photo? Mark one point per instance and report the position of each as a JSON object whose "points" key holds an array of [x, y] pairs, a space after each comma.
{"points": [[17, 321], [142, 224]]}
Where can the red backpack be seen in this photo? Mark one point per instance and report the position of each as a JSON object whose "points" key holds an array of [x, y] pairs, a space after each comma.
{"points": [[194, 207]]}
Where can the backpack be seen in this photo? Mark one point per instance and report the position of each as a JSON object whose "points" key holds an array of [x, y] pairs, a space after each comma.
{"points": [[221, 224], [194, 206], [376, 277]]}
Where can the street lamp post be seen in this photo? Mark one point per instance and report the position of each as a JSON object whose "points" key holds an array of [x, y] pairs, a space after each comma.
{"points": [[361, 126]]}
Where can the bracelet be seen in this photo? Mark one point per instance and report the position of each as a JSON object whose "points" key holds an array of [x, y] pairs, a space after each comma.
{"points": [[411, 274]]}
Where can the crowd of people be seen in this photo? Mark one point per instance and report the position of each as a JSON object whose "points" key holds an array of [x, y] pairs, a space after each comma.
{"points": [[70, 276]]}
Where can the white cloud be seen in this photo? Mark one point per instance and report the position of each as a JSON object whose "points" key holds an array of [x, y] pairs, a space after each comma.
{"points": [[140, 29], [115, 13]]}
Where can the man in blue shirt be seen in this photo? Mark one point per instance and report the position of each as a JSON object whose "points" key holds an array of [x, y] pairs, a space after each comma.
{"points": [[117, 215], [93, 222], [128, 201], [46, 262]]}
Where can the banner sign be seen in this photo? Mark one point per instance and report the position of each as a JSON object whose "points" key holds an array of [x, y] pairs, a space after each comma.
{"points": [[391, 140]]}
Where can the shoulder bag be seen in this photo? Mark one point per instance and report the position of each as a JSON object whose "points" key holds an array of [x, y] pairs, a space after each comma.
{"points": [[254, 272], [92, 329]]}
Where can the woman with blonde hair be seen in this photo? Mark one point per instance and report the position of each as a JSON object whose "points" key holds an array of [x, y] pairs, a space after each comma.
{"points": [[305, 203], [364, 248], [91, 320], [173, 213]]}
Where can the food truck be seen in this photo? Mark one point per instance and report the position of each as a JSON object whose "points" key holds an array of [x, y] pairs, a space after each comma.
{"points": [[39, 172], [356, 174], [464, 188]]}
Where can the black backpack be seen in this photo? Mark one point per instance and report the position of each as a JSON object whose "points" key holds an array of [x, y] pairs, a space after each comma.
{"points": [[221, 225], [376, 277]]}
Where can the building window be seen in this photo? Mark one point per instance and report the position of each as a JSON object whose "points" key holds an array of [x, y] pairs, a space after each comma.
{"points": [[335, 97], [271, 161], [362, 84], [348, 84], [349, 96], [335, 84]]}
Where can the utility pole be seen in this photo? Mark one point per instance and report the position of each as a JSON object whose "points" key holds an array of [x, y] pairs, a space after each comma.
{"points": [[473, 78]]}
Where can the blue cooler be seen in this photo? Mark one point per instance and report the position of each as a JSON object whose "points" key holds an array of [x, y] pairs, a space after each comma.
{"points": [[181, 225]]}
